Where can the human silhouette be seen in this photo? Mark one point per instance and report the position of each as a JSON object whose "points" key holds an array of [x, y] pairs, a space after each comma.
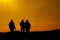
{"points": [[27, 25], [11, 26], [22, 24]]}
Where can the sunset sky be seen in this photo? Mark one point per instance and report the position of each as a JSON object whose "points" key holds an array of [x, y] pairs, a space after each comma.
{"points": [[44, 15]]}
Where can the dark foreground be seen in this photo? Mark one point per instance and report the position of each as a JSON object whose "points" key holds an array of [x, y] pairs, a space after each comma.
{"points": [[47, 35]]}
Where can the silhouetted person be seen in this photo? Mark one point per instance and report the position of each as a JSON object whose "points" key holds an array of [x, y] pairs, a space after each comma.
{"points": [[27, 25], [22, 24], [11, 26]]}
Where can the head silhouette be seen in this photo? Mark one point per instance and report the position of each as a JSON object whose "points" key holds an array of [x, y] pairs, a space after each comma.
{"points": [[11, 20], [22, 20], [26, 20]]}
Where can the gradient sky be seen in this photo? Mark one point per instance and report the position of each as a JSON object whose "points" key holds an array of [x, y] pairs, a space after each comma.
{"points": [[44, 15]]}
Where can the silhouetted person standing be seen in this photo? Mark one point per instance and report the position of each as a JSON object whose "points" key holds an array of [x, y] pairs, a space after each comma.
{"points": [[11, 26], [27, 25], [22, 24]]}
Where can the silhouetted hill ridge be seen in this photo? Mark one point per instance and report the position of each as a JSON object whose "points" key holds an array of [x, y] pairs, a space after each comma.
{"points": [[16, 35]]}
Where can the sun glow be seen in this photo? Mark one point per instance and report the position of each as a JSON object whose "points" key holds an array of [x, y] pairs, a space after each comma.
{"points": [[4, 0], [8, 3]]}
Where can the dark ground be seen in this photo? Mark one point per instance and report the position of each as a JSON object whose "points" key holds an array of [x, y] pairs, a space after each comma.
{"points": [[46, 35]]}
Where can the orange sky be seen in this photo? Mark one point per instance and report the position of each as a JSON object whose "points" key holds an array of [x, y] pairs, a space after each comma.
{"points": [[44, 15]]}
